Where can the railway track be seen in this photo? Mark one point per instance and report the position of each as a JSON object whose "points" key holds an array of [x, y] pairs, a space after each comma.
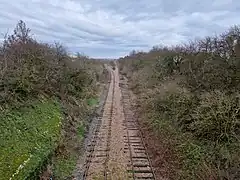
{"points": [[116, 149], [98, 148], [140, 165]]}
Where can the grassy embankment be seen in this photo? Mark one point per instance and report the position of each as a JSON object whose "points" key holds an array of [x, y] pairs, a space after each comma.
{"points": [[45, 99]]}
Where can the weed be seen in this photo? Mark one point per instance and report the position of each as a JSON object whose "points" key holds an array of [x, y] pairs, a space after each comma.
{"points": [[80, 130], [63, 167], [92, 101]]}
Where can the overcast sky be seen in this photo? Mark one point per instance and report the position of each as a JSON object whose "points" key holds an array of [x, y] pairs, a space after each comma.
{"points": [[112, 28]]}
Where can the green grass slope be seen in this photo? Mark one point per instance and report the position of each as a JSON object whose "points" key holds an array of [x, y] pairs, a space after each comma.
{"points": [[27, 137]]}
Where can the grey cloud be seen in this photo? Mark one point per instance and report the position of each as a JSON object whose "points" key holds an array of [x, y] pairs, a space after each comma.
{"points": [[111, 28]]}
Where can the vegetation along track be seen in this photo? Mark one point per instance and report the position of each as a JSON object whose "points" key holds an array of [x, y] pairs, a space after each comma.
{"points": [[116, 149]]}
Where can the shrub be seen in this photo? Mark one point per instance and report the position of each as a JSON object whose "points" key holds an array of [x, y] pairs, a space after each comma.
{"points": [[205, 72], [205, 129], [177, 108], [30, 71], [200, 113], [217, 116]]}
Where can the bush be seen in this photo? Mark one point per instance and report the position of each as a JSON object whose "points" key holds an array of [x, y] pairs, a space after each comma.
{"points": [[30, 71], [212, 116], [206, 72], [205, 130], [176, 108], [31, 68], [202, 107], [216, 118]]}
